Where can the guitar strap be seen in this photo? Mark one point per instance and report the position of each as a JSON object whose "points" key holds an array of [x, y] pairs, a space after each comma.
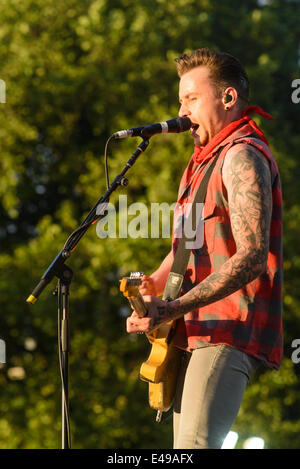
{"points": [[181, 258]]}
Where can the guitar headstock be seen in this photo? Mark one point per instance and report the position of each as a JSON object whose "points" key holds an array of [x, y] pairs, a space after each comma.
{"points": [[129, 286]]}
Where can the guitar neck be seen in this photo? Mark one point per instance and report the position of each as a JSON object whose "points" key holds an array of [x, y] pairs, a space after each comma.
{"points": [[138, 304], [130, 288]]}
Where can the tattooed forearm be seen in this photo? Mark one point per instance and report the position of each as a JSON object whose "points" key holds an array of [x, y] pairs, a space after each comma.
{"points": [[161, 310], [247, 178]]}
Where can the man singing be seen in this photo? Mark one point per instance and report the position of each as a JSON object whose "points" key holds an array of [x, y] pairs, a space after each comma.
{"points": [[229, 310]]}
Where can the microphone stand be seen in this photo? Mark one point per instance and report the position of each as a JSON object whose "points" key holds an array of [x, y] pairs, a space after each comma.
{"points": [[64, 274]]}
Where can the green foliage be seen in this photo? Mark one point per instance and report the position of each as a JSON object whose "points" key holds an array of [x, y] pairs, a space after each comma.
{"points": [[75, 72]]}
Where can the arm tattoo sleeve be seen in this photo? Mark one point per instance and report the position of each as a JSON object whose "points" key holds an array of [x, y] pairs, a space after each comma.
{"points": [[247, 177]]}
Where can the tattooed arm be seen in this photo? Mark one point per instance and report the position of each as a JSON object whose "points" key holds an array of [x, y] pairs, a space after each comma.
{"points": [[247, 178]]}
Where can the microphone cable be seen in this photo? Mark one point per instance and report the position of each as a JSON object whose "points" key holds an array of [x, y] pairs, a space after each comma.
{"points": [[105, 161], [91, 219]]}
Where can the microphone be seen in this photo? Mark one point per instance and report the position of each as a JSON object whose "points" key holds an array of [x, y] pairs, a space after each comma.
{"points": [[179, 124]]}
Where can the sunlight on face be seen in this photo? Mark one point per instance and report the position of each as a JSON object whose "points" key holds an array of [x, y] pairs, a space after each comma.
{"points": [[199, 101]]}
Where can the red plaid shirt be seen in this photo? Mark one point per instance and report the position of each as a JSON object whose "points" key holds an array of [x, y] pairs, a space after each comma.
{"points": [[249, 319]]}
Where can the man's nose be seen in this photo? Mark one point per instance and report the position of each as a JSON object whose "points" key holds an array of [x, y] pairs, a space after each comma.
{"points": [[183, 111]]}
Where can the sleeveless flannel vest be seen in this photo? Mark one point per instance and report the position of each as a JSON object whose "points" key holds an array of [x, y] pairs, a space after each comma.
{"points": [[249, 319]]}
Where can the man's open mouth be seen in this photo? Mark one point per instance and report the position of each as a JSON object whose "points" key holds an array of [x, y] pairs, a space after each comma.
{"points": [[194, 128]]}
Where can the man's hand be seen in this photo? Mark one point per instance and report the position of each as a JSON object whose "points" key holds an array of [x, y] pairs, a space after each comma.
{"points": [[147, 287], [157, 314]]}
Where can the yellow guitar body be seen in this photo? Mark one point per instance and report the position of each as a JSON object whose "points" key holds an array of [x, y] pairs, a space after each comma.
{"points": [[161, 368]]}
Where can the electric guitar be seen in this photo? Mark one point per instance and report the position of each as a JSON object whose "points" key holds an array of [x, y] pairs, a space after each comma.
{"points": [[161, 368]]}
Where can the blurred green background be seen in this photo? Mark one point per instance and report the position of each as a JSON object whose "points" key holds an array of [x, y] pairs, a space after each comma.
{"points": [[75, 72]]}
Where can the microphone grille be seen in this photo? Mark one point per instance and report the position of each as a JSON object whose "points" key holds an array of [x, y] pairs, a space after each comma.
{"points": [[184, 123]]}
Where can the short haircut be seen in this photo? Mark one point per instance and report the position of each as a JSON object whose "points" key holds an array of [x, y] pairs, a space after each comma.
{"points": [[225, 70]]}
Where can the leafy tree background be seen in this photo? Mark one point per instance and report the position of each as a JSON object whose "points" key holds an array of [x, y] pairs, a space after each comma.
{"points": [[75, 72]]}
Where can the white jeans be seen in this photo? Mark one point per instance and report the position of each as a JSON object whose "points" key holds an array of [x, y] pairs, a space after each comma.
{"points": [[210, 388]]}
